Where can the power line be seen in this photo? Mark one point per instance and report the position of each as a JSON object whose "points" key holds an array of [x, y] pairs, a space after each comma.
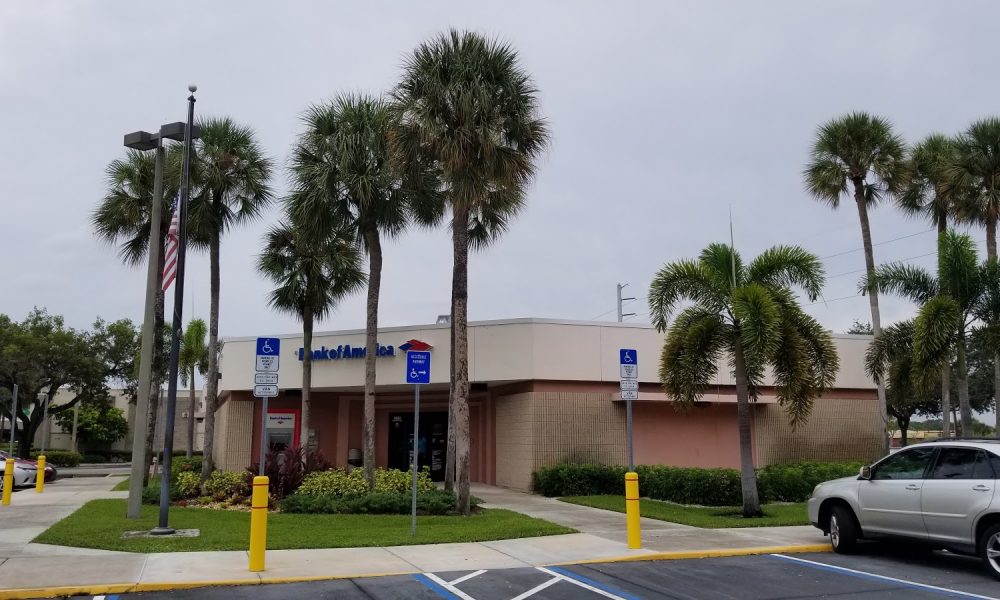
{"points": [[902, 237]]}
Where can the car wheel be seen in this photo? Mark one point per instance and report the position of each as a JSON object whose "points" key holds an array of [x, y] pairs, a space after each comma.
{"points": [[989, 545], [843, 530]]}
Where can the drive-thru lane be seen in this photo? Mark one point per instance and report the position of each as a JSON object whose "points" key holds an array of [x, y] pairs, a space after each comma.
{"points": [[877, 572]]}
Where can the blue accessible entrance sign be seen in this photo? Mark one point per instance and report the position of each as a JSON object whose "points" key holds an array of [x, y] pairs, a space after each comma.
{"points": [[418, 367]]}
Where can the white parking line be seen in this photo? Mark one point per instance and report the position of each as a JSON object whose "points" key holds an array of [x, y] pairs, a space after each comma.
{"points": [[883, 578], [585, 586], [451, 588], [537, 588], [466, 577]]}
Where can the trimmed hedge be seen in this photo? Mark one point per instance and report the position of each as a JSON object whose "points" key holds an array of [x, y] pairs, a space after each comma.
{"points": [[437, 502], [182, 464], [791, 482], [60, 458]]}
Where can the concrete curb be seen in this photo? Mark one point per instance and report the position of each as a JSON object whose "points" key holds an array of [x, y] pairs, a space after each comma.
{"points": [[122, 588]]}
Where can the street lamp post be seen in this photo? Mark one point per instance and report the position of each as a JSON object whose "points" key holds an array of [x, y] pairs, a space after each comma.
{"points": [[142, 140]]}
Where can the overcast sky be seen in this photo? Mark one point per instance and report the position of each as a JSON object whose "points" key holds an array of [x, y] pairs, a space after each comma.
{"points": [[664, 116]]}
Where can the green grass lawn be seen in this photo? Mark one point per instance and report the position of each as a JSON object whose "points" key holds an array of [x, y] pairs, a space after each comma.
{"points": [[100, 524], [701, 516], [122, 485]]}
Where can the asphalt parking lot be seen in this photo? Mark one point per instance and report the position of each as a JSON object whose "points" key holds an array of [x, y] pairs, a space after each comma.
{"points": [[877, 572]]}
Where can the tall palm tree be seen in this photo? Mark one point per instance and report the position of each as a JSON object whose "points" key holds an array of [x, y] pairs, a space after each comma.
{"points": [[193, 356], [312, 273], [344, 174], [860, 154], [124, 218], [977, 171], [749, 313], [930, 192], [960, 296], [468, 107], [230, 177], [890, 358]]}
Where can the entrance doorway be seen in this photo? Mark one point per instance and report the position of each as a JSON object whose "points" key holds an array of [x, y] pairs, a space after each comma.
{"points": [[432, 444]]}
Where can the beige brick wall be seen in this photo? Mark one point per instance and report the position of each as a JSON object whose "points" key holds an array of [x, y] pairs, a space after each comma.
{"points": [[838, 429], [535, 429], [233, 429]]}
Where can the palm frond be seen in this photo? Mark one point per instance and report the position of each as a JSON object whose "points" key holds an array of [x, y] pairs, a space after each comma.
{"points": [[758, 319], [908, 281], [679, 281], [689, 360], [788, 266], [935, 332]]}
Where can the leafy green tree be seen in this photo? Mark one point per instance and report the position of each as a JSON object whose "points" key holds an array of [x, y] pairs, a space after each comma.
{"points": [[344, 176], [193, 356], [124, 218], [312, 275], [42, 355], [230, 187], [859, 154], [859, 327], [749, 313], [890, 359], [950, 304], [99, 424], [977, 171], [469, 110]]}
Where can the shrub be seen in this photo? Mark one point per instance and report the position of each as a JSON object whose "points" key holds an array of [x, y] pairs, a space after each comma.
{"points": [[793, 482], [389, 481], [94, 458], [60, 458], [579, 480], [187, 483], [689, 485], [223, 485], [335, 483], [287, 468], [182, 464], [436, 502]]}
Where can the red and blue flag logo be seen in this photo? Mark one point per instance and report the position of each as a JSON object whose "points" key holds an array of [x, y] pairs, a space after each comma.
{"points": [[414, 345]]}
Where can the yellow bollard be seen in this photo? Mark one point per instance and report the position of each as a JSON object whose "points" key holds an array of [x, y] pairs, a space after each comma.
{"points": [[8, 480], [40, 475], [632, 509], [258, 523]]}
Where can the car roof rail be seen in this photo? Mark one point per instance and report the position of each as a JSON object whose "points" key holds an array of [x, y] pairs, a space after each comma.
{"points": [[961, 439]]}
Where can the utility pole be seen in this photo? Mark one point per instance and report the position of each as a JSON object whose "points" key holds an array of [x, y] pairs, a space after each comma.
{"points": [[621, 315]]}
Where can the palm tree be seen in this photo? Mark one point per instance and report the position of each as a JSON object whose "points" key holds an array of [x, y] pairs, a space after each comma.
{"points": [[230, 175], [977, 170], [312, 274], [890, 358], [124, 218], [960, 295], [193, 356], [344, 174], [750, 313], [859, 153], [467, 106], [930, 192]]}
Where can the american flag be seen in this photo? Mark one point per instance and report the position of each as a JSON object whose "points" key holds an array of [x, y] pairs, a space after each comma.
{"points": [[170, 258]]}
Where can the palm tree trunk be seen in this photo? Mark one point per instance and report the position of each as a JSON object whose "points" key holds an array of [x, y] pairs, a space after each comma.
{"points": [[190, 423], [460, 350], [991, 254], [449, 462], [866, 236], [963, 387], [748, 479], [307, 373], [904, 427], [946, 401], [212, 378], [371, 350]]}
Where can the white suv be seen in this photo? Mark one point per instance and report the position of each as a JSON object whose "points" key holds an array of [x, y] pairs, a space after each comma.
{"points": [[941, 494]]}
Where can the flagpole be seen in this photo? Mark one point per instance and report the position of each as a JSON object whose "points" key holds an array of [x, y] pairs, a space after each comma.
{"points": [[175, 340]]}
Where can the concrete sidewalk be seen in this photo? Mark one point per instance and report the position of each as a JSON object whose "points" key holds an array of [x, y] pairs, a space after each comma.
{"points": [[66, 571]]}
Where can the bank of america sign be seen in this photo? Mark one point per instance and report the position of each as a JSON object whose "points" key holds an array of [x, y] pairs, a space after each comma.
{"points": [[347, 351]]}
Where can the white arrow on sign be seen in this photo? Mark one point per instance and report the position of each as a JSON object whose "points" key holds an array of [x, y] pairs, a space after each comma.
{"points": [[265, 391], [629, 384], [630, 394], [265, 378]]}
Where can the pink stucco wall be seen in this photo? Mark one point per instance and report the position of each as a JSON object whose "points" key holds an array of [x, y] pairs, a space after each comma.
{"points": [[706, 436]]}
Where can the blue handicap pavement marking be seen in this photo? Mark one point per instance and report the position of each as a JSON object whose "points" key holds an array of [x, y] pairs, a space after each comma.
{"points": [[418, 367], [268, 346], [628, 356]]}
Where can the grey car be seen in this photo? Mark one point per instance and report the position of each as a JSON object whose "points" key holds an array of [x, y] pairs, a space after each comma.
{"points": [[940, 494]]}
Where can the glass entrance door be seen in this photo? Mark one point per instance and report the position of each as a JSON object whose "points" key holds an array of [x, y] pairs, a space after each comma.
{"points": [[432, 444]]}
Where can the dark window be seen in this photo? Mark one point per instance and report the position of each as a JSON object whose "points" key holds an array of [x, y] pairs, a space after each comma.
{"points": [[907, 464], [955, 463], [995, 463], [983, 469]]}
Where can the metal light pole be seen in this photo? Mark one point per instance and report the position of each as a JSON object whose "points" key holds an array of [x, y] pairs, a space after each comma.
{"points": [[142, 140], [621, 315], [162, 527]]}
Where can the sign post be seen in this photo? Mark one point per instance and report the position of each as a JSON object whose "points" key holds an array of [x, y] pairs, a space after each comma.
{"points": [[265, 385], [418, 372], [628, 364]]}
